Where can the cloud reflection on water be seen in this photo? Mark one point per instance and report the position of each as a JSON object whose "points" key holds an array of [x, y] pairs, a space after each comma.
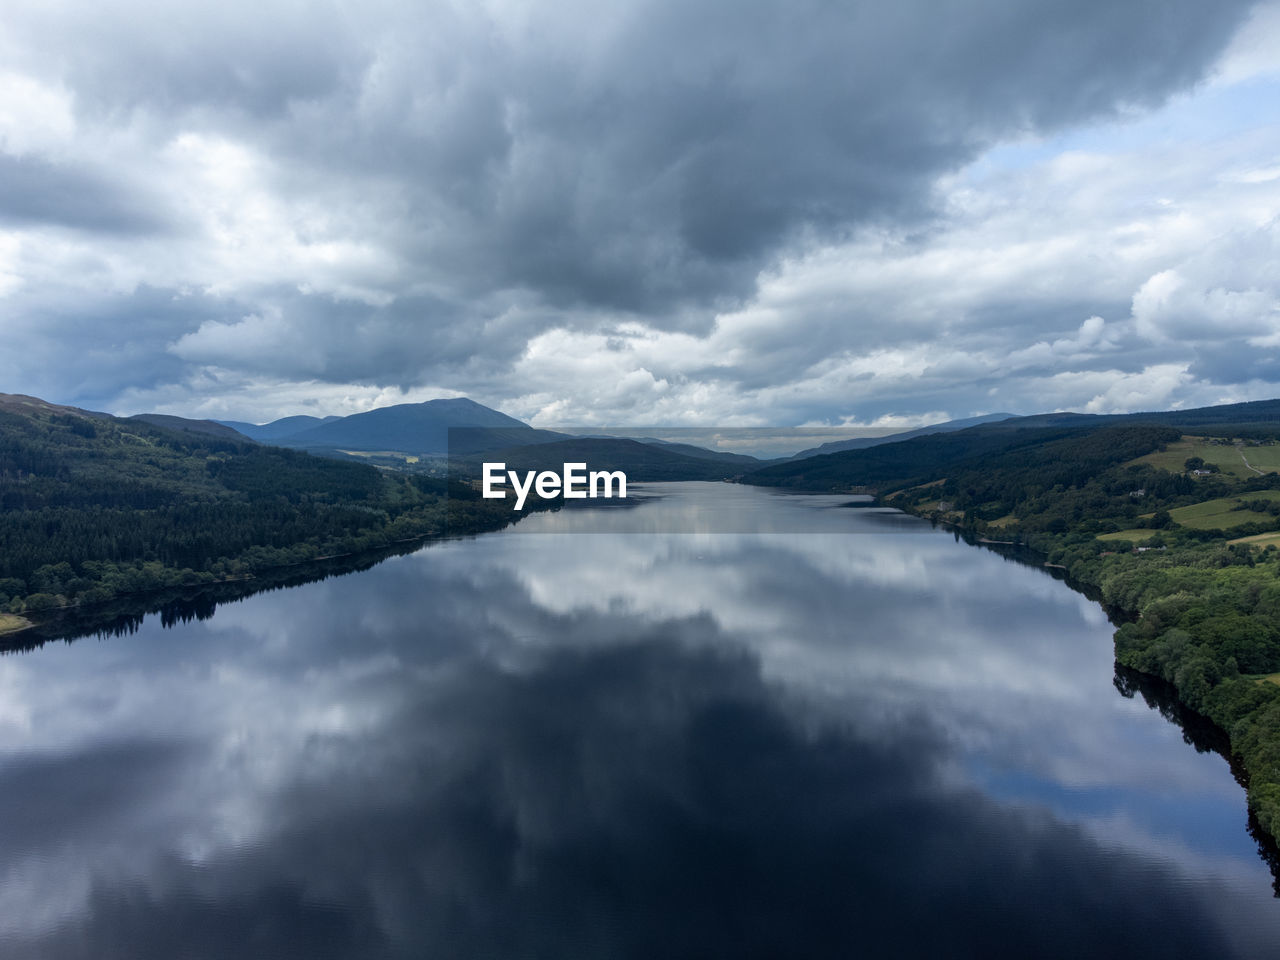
{"points": [[617, 746]]}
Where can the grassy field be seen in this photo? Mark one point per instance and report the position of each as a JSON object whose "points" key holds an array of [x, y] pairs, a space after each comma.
{"points": [[9, 623], [1266, 457], [1134, 535], [1219, 515], [1260, 539], [384, 454], [1228, 459]]}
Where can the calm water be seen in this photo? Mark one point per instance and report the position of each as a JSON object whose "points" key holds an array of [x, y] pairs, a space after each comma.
{"points": [[862, 740]]}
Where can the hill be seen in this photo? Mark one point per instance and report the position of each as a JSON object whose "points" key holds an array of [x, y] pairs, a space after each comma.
{"points": [[400, 436], [416, 428], [917, 460], [1249, 419], [284, 427], [894, 462], [1254, 417], [182, 425], [861, 443], [93, 506], [741, 460], [429, 429], [22, 404]]}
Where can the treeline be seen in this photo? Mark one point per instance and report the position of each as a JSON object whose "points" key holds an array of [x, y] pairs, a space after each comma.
{"points": [[1206, 613], [1207, 621], [991, 466], [94, 507], [1104, 496]]}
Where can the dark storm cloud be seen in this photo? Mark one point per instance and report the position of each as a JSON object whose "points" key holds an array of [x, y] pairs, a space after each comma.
{"points": [[1227, 363], [661, 153], [669, 156], [35, 191], [407, 196], [118, 338], [253, 58]]}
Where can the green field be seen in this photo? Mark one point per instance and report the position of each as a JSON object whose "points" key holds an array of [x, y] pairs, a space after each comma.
{"points": [[1134, 535], [1260, 539], [1265, 457], [1228, 458], [1219, 515]]}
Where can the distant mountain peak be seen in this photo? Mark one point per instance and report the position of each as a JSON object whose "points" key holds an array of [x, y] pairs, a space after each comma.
{"points": [[421, 427]]}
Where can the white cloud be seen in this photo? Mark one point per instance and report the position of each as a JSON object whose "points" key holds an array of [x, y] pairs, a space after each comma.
{"points": [[35, 117], [1153, 388], [346, 208]]}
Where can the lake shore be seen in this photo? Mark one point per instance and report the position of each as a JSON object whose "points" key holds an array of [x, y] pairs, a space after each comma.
{"points": [[1151, 592]]}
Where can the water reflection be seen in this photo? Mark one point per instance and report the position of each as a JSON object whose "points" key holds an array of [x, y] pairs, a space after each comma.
{"points": [[702, 745]]}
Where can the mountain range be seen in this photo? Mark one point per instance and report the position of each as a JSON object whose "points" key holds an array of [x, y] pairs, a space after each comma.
{"points": [[466, 429], [277, 429], [412, 428]]}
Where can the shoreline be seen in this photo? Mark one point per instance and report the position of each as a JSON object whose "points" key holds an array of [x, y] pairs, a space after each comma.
{"points": [[75, 620], [1259, 790], [199, 600]]}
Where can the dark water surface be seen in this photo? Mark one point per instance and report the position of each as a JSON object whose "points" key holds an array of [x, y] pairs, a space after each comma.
{"points": [[863, 740]]}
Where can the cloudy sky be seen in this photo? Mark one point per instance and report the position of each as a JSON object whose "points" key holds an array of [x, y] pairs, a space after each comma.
{"points": [[735, 212]]}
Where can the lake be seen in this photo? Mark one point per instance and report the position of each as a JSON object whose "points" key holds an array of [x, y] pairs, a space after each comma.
{"points": [[724, 722]]}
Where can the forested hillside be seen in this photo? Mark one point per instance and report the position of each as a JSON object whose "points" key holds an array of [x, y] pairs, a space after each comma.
{"points": [[92, 507], [998, 464]]}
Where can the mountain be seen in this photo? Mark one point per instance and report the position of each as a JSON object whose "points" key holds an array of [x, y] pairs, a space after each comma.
{"points": [[211, 427], [741, 460], [861, 443], [284, 427], [418, 428], [1222, 418], [918, 459], [24, 405], [458, 427], [974, 449]]}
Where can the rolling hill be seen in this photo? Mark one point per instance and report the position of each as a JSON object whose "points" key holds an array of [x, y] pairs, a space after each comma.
{"points": [[284, 427], [861, 443], [181, 424], [413, 428], [94, 506]]}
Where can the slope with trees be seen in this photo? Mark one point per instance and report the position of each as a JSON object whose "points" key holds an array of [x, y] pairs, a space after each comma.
{"points": [[93, 507]]}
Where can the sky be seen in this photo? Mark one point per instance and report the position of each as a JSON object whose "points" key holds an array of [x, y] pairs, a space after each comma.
{"points": [[746, 213]]}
